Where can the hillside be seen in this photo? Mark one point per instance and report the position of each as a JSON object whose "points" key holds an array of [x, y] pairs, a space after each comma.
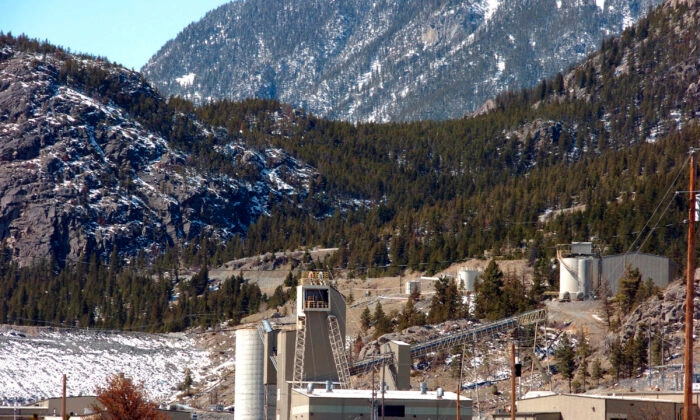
{"points": [[605, 139], [385, 60], [88, 358], [86, 165], [600, 145]]}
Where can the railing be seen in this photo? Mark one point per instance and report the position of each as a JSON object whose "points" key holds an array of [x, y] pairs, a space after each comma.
{"points": [[315, 304]]}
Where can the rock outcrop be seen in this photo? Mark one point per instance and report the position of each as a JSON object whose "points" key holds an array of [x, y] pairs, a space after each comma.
{"points": [[80, 174]]}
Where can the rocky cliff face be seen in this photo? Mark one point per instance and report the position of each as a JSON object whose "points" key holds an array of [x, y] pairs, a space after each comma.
{"points": [[78, 173], [385, 60]]}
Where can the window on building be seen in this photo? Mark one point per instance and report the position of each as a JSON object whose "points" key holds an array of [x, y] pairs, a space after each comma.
{"points": [[393, 411]]}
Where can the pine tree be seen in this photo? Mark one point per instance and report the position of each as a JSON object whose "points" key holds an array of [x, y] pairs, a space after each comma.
{"points": [[187, 382], [596, 371], [489, 302], [410, 316], [446, 303], [565, 358], [583, 351], [628, 288], [617, 358], [365, 319], [382, 324]]}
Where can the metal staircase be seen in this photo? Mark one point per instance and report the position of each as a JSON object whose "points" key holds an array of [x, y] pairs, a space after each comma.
{"points": [[339, 356], [299, 351]]}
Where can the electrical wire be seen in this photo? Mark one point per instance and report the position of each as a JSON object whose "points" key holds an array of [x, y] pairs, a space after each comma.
{"points": [[663, 198]]}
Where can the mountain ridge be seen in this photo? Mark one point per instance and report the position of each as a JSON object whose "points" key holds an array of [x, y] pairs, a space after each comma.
{"points": [[383, 60]]}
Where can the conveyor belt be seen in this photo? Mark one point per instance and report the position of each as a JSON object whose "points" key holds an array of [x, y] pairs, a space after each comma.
{"points": [[477, 333], [455, 339]]}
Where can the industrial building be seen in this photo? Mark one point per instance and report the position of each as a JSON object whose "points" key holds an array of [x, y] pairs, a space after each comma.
{"points": [[352, 403], [76, 408], [592, 407], [298, 368], [582, 270]]}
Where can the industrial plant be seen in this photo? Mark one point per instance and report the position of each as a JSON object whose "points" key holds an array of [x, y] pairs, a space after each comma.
{"points": [[299, 369], [583, 272]]}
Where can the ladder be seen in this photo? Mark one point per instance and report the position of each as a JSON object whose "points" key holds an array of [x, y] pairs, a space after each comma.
{"points": [[299, 351], [339, 356]]}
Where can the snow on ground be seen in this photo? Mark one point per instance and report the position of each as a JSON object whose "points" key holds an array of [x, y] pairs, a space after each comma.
{"points": [[32, 365], [491, 6], [186, 80]]}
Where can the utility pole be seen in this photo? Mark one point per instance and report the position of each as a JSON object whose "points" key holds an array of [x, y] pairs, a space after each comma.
{"points": [[459, 384], [383, 385], [476, 388], [512, 380], [689, 300], [372, 416], [63, 399], [649, 345]]}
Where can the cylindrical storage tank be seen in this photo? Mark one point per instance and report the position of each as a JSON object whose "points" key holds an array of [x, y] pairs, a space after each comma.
{"points": [[468, 279], [568, 278], [412, 287], [582, 278], [249, 389]]}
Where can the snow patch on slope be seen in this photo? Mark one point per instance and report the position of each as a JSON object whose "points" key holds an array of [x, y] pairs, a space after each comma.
{"points": [[32, 365], [186, 80], [491, 7]]}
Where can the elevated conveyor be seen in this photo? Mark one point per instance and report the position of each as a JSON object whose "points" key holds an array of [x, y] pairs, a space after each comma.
{"points": [[457, 338]]}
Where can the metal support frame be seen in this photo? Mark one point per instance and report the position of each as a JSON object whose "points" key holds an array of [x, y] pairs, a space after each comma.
{"points": [[339, 356], [299, 351], [458, 338]]}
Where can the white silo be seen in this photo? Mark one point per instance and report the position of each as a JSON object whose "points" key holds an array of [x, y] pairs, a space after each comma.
{"points": [[412, 287], [568, 278], [468, 279], [249, 389], [583, 264]]}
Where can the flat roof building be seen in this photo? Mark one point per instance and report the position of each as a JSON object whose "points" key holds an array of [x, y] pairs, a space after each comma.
{"points": [[593, 407], [341, 404]]}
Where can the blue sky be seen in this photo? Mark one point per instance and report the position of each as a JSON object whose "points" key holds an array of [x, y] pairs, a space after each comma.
{"points": [[128, 32]]}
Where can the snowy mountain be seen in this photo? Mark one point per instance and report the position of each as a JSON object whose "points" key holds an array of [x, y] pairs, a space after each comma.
{"points": [[86, 166], [383, 60]]}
